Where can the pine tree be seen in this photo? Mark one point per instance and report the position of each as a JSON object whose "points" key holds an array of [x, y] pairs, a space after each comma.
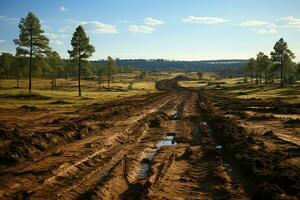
{"points": [[32, 42], [281, 55], [81, 50], [110, 70]]}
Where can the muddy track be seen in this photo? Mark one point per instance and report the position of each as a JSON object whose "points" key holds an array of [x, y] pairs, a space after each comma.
{"points": [[159, 146]]}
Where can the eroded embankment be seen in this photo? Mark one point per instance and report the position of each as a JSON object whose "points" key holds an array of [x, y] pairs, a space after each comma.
{"points": [[264, 169]]}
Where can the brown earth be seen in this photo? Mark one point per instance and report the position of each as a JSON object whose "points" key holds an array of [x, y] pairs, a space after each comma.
{"points": [[175, 144]]}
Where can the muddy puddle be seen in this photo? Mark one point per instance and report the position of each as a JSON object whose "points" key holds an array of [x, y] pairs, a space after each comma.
{"points": [[174, 114], [169, 140]]}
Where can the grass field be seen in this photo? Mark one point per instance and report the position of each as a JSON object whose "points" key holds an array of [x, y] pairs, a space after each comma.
{"points": [[44, 96], [237, 87]]}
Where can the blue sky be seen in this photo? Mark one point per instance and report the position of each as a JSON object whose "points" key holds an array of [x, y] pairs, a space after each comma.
{"points": [[170, 29]]}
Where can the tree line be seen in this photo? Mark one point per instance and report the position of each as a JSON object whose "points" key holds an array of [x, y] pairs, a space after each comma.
{"points": [[180, 65], [34, 57], [280, 64]]}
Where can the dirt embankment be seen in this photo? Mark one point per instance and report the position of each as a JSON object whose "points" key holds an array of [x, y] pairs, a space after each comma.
{"points": [[267, 169]]}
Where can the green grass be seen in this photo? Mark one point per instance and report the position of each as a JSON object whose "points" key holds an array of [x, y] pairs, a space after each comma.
{"points": [[236, 86], [67, 90]]}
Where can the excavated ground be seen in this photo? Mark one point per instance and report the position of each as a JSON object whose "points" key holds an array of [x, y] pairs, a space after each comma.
{"points": [[174, 144]]}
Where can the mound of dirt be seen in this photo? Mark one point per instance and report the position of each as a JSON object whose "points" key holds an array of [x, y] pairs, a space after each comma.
{"points": [[61, 102]]}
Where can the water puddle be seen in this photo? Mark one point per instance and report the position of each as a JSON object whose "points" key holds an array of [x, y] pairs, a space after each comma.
{"points": [[169, 140], [174, 114]]}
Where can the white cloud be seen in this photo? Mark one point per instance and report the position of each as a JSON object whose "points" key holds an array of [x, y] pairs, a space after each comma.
{"points": [[266, 31], [140, 29], [253, 23], [56, 39], [152, 22], [94, 27], [289, 22], [62, 8], [2, 41], [56, 36], [66, 29], [56, 42], [203, 20], [269, 28], [99, 27], [8, 19]]}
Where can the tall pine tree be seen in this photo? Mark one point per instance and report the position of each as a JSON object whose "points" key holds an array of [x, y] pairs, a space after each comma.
{"points": [[81, 50], [281, 55], [32, 42]]}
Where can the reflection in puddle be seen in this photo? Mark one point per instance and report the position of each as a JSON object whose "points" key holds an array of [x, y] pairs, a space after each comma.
{"points": [[174, 114], [145, 167]]}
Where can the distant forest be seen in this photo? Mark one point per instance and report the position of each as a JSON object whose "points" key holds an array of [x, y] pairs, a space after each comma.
{"points": [[162, 64]]}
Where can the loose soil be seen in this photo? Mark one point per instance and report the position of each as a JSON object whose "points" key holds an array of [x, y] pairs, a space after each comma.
{"points": [[175, 144]]}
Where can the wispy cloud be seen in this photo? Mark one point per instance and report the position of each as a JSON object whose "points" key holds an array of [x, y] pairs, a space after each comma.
{"points": [[203, 20], [254, 22], [8, 19], [95, 27], [289, 22], [152, 22], [56, 39], [99, 27], [266, 31], [2, 41], [62, 8], [55, 35], [66, 29], [260, 26], [140, 29]]}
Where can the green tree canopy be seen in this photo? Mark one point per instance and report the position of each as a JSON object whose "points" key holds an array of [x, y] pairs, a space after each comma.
{"points": [[6, 60], [250, 67]]}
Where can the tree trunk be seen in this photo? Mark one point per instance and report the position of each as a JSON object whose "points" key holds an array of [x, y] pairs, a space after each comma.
{"points": [[99, 81], [260, 77], [256, 79], [30, 71], [266, 78], [108, 81], [281, 74], [79, 71]]}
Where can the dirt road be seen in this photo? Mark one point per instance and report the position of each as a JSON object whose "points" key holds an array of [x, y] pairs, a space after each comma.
{"points": [[168, 145]]}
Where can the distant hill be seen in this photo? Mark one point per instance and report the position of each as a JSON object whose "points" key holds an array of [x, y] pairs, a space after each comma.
{"points": [[162, 64]]}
